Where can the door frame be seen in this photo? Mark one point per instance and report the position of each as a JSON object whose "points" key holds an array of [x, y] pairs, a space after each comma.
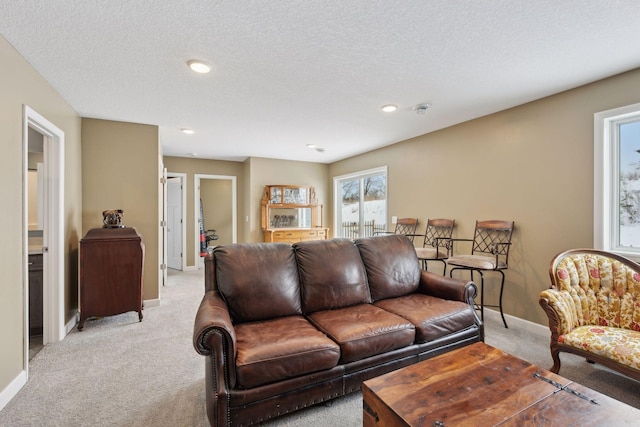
{"points": [[183, 201], [54, 328], [196, 209]]}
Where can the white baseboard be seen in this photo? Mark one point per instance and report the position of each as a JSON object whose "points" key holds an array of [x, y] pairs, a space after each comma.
{"points": [[527, 325], [12, 389], [191, 268], [152, 302], [71, 323]]}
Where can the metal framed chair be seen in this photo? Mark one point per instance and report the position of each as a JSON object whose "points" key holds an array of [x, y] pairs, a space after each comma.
{"points": [[489, 252], [406, 226], [435, 246]]}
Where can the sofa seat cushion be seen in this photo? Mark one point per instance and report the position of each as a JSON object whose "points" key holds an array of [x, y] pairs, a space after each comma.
{"points": [[364, 330], [274, 350], [619, 345], [433, 317]]}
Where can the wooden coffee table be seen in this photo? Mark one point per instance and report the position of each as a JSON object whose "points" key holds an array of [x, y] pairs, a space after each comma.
{"points": [[479, 385]]}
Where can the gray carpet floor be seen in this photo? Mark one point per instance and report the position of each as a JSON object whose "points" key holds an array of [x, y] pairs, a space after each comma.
{"points": [[121, 372]]}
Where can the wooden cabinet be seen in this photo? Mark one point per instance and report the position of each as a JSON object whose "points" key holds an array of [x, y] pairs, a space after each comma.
{"points": [[290, 214], [35, 294], [111, 272]]}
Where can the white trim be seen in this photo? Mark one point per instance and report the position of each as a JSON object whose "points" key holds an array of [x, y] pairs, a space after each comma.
{"points": [[151, 302], [54, 328], [603, 186], [517, 322], [183, 195], [361, 174], [196, 208], [12, 389], [161, 218], [72, 322]]}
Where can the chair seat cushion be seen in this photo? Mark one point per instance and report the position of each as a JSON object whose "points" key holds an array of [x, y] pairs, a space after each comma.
{"points": [[476, 261], [273, 350], [619, 345], [433, 317], [431, 253], [364, 330]]}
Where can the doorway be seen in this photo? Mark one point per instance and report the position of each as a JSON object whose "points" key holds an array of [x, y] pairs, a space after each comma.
{"points": [[45, 235], [35, 230], [176, 226], [219, 204]]}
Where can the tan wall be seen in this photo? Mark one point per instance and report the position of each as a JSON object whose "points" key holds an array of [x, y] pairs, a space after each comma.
{"points": [[218, 213], [532, 164], [21, 85], [120, 171], [264, 172], [190, 167]]}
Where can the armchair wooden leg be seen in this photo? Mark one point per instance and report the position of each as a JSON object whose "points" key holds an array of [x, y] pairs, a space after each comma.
{"points": [[555, 355]]}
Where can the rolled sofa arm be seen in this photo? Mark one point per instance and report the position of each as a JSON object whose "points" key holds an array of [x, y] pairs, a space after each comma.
{"points": [[447, 287], [214, 334], [560, 309]]}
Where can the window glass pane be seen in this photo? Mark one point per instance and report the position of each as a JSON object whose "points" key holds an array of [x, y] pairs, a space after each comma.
{"points": [[375, 196], [350, 208], [361, 203], [629, 185]]}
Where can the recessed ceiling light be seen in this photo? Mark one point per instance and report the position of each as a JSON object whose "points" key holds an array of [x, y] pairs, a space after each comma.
{"points": [[193, 154], [188, 131], [199, 66], [311, 146], [389, 108]]}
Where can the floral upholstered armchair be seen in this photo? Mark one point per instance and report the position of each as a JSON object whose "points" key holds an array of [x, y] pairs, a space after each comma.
{"points": [[594, 309]]}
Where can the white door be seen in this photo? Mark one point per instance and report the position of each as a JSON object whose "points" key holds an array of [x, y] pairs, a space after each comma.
{"points": [[174, 223]]}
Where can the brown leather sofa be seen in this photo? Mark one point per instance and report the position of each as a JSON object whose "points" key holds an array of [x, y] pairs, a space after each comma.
{"points": [[286, 326]]}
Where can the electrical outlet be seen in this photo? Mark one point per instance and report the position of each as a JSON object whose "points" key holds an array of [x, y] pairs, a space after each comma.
{"points": [[394, 220]]}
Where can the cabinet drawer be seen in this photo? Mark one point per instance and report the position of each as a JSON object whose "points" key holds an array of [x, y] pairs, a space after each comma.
{"points": [[286, 236], [295, 235]]}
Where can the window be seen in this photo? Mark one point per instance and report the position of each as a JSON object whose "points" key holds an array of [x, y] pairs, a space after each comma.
{"points": [[360, 201], [617, 180]]}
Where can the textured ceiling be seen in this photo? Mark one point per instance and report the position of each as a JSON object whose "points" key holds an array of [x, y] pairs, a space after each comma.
{"points": [[289, 73]]}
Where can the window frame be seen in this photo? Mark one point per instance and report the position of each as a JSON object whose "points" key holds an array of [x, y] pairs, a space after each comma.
{"points": [[337, 193], [606, 179]]}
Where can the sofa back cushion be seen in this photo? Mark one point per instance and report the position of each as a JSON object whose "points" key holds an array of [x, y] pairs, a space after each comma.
{"points": [[392, 265], [258, 281], [331, 275]]}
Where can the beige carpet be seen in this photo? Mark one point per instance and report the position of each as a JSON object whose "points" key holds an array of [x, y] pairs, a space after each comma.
{"points": [[119, 372]]}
